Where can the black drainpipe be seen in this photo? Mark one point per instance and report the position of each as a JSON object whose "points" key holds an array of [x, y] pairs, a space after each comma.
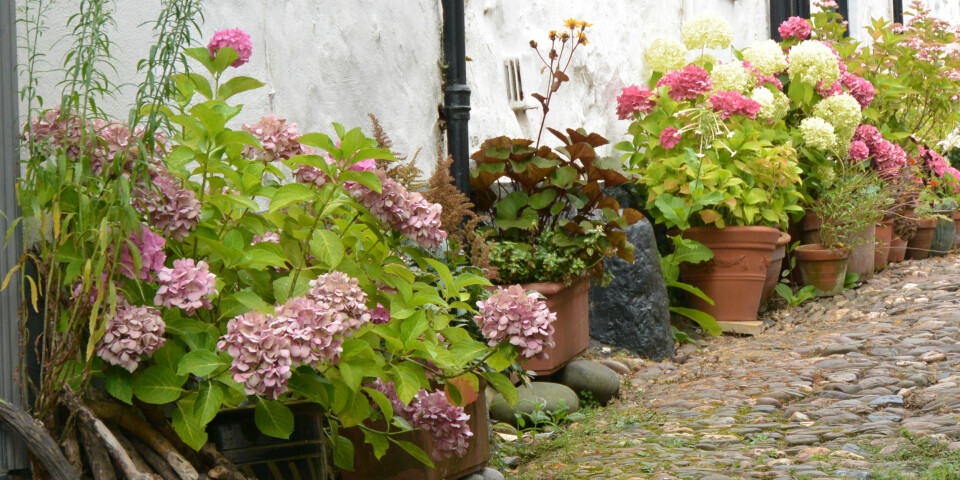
{"points": [[456, 93]]}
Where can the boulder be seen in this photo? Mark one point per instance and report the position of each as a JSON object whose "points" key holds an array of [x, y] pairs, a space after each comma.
{"points": [[633, 311], [600, 381], [550, 395]]}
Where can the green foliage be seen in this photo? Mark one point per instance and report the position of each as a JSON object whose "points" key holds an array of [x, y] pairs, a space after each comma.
{"points": [[691, 251], [543, 261], [854, 202], [808, 292]]}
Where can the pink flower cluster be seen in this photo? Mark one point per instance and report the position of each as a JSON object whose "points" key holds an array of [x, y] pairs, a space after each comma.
{"points": [[279, 140], [734, 103], [313, 330], [234, 38], [795, 27], [312, 175], [670, 137], [522, 319], [261, 354], [188, 285], [149, 247], [445, 423], [406, 212], [934, 162], [133, 331], [343, 295], [888, 158], [686, 84], [635, 100], [859, 150], [860, 88], [169, 206]]}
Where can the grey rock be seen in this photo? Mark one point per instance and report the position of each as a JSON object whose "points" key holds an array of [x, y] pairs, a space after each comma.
{"points": [[839, 349], [853, 448], [633, 311], [472, 476], [588, 376], [616, 366], [491, 474], [853, 473], [550, 395], [887, 400], [512, 462], [878, 417]]}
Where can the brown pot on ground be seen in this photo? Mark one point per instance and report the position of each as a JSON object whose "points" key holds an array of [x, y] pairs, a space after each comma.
{"points": [[773, 271], [810, 228], [397, 464], [898, 249], [956, 222], [825, 269], [884, 238], [572, 327], [735, 276], [918, 248], [861, 259]]}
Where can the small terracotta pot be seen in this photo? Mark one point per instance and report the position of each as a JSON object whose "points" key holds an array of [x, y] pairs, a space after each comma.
{"points": [[956, 221], [944, 235], [884, 237], [810, 228], [773, 271], [572, 327], [861, 259], [735, 276], [825, 269], [898, 249], [918, 248]]}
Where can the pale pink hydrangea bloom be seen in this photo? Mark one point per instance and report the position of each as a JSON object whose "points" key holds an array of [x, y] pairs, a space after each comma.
{"points": [[314, 330], [261, 354], [150, 249], [344, 297], [434, 414], [406, 212], [269, 237], [189, 285], [278, 138], [170, 207], [234, 38], [795, 27], [55, 129], [734, 103], [688, 83], [132, 332], [522, 319], [635, 100], [669, 137], [825, 4]]}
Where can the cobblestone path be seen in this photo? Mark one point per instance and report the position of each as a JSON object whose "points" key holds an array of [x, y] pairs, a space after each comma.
{"points": [[857, 386]]}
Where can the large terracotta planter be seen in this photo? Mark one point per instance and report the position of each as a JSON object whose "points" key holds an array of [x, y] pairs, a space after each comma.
{"points": [[861, 259], [944, 235], [884, 238], [735, 276], [810, 228], [397, 464], [773, 271], [572, 327], [898, 249], [825, 269], [918, 247]]}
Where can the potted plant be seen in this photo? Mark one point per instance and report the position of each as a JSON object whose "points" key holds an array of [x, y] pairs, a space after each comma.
{"points": [[926, 218]]}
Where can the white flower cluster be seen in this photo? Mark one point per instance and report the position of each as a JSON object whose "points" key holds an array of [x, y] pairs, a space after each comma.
{"points": [[767, 57], [665, 55], [707, 30], [732, 76], [812, 62]]}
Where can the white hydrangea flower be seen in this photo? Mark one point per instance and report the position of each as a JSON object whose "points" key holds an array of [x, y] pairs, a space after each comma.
{"points": [[773, 104], [842, 111], [732, 76], [707, 30], [767, 57], [812, 62], [665, 55], [704, 59], [818, 133]]}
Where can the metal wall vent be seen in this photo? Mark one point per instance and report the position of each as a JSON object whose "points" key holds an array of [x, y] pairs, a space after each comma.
{"points": [[514, 82]]}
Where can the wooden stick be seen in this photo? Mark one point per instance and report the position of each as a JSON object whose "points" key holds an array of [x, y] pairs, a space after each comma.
{"points": [[71, 449], [101, 468], [138, 460], [158, 420], [227, 470], [154, 459], [38, 441], [120, 456]]}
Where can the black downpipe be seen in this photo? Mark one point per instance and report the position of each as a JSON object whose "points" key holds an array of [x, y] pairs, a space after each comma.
{"points": [[456, 92]]}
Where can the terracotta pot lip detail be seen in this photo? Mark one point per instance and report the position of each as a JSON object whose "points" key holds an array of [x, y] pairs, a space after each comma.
{"points": [[816, 252], [552, 288], [927, 223], [784, 239]]}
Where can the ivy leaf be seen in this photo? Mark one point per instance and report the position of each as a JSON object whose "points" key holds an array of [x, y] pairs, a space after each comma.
{"points": [[273, 418], [157, 385], [119, 383], [200, 363]]}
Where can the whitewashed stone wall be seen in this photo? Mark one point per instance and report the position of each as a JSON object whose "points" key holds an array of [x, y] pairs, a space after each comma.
{"points": [[337, 60]]}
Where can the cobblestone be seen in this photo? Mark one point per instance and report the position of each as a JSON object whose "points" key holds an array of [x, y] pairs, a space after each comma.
{"points": [[823, 393]]}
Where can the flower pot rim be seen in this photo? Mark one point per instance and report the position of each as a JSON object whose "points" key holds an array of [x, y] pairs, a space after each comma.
{"points": [[784, 239], [551, 288], [815, 248]]}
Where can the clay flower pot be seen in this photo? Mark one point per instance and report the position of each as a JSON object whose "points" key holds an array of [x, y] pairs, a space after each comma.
{"points": [[884, 238], [898, 249], [735, 276], [918, 248], [945, 235], [825, 269], [571, 330], [773, 271], [810, 228], [956, 221], [861, 259]]}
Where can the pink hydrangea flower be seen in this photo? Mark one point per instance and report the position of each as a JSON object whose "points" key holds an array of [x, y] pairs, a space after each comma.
{"points": [[310, 175], [234, 38], [57, 130], [132, 332], [170, 207], [795, 27], [686, 84], [669, 137], [269, 237], [951, 179], [858, 150], [313, 329], [261, 354], [772, 80], [933, 161], [406, 212], [188, 285], [860, 88], [835, 89], [734, 103], [522, 319], [278, 138], [380, 315], [840, 63], [445, 423], [344, 298], [149, 246], [635, 100]]}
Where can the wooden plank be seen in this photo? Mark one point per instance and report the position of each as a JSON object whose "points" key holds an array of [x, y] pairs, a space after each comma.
{"points": [[743, 328]]}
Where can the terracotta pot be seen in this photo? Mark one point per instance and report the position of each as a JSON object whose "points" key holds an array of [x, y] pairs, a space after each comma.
{"points": [[918, 247], [810, 228], [944, 235], [397, 464], [956, 221], [898, 249], [861, 259], [735, 276], [773, 271], [572, 328], [882, 252], [826, 270]]}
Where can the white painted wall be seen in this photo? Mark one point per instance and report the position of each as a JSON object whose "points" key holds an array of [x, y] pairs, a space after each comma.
{"points": [[336, 60]]}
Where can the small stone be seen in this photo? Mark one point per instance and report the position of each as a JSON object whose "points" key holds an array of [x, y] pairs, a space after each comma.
{"points": [[616, 366], [512, 462], [769, 401], [799, 417], [472, 476], [601, 382], [491, 474], [847, 455], [887, 400], [839, 349], [808, 453], [550, 396], [933, 356], [953, 446]]}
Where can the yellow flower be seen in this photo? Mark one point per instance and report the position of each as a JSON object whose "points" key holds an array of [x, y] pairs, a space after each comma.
{"points": [[584, 25], [564, 37], [552, 35], [571, 23], [582, 39]]}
